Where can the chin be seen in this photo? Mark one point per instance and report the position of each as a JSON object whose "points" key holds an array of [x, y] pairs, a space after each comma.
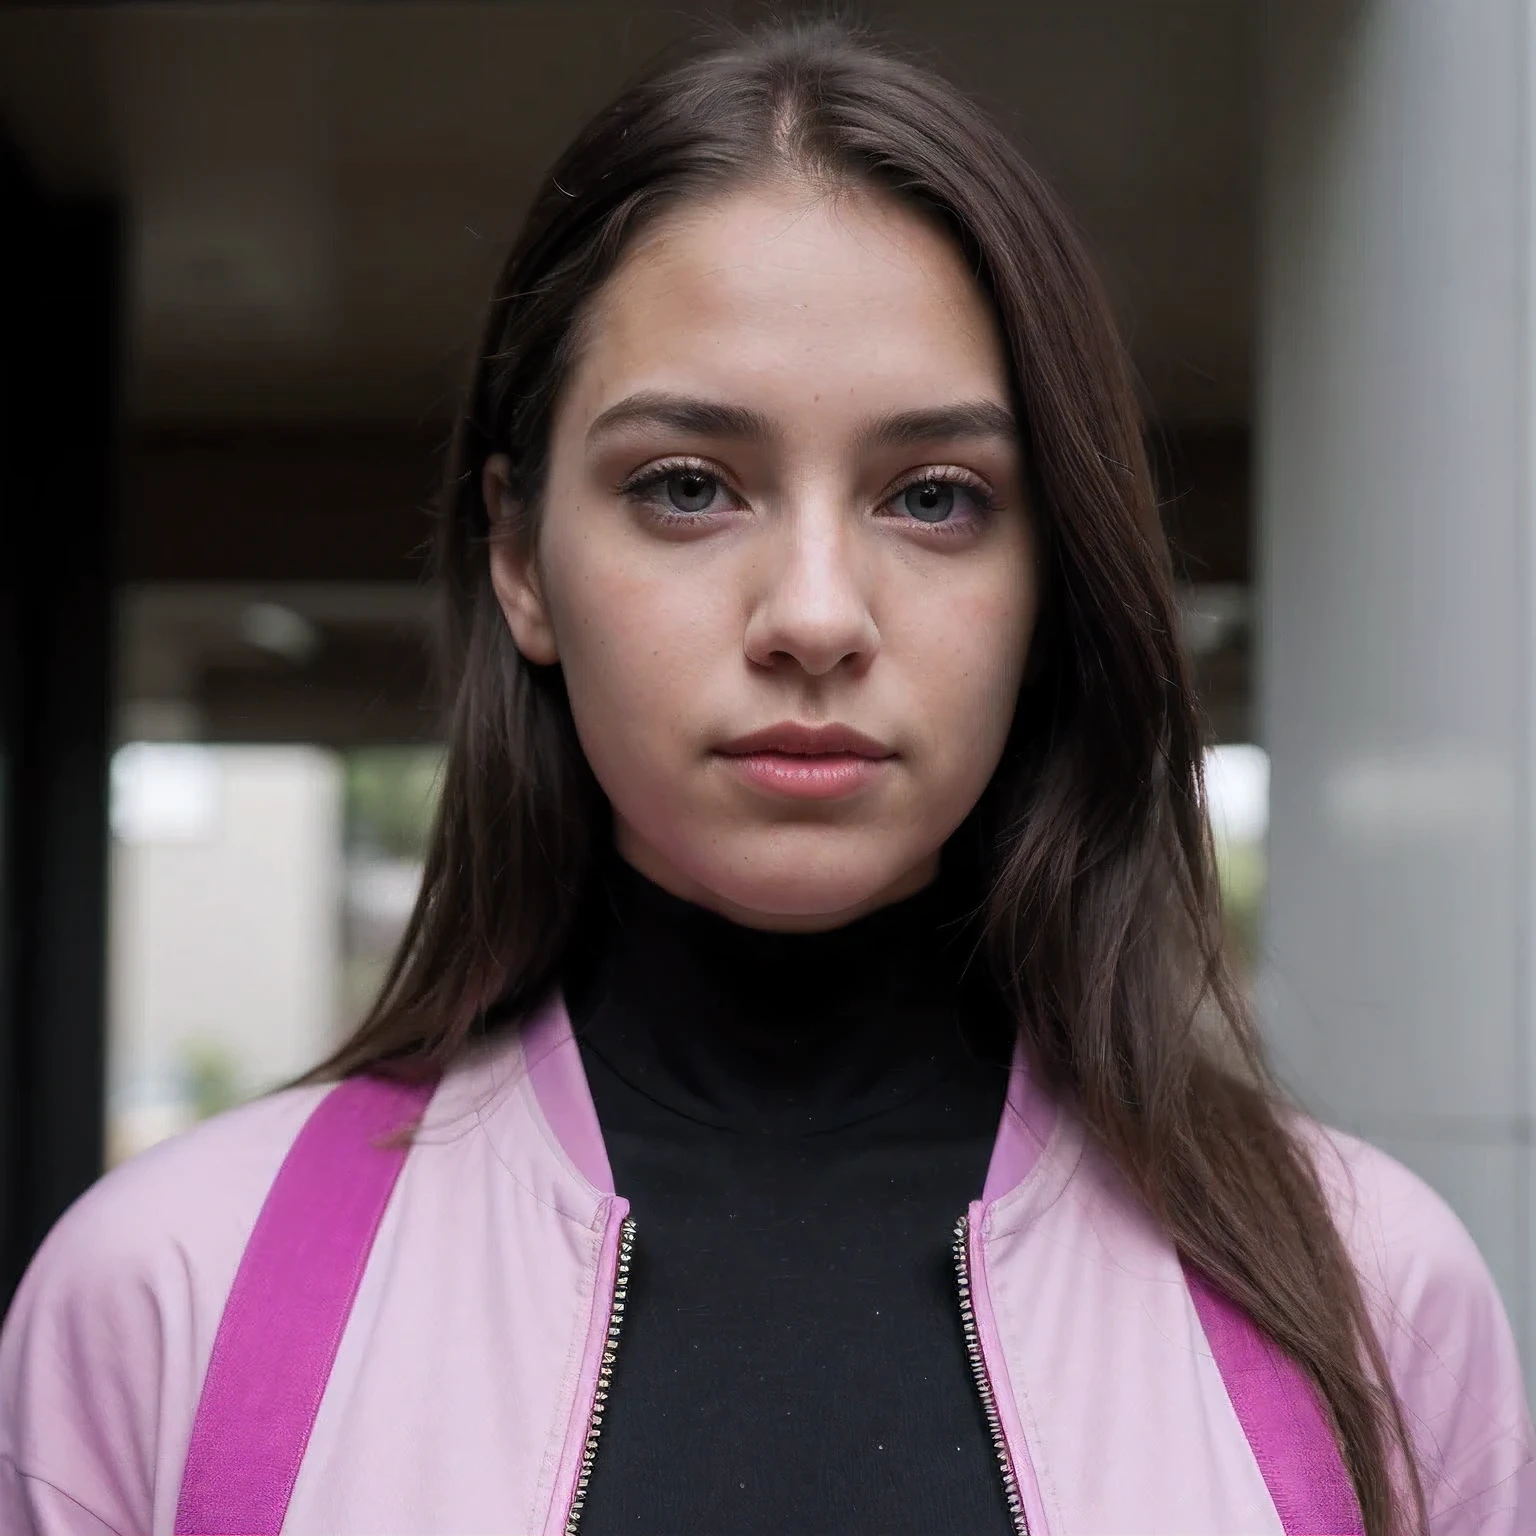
{"points": [[820, 880]]}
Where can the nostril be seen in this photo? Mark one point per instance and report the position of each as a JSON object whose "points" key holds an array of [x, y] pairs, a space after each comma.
{"points": [[782, 633]]}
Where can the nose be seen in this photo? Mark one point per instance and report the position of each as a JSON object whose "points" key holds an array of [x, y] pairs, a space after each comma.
{"points": [[813, 607]]}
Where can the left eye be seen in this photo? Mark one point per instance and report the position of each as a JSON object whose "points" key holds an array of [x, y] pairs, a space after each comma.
{"points": [[929, 501]]}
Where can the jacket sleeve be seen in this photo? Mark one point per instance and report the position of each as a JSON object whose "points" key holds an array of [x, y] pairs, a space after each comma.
{"points": [[32, 1506], [81, 1377], [1448, 1343], [103, 1350]]}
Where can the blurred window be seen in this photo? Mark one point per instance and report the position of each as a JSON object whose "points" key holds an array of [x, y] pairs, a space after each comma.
{"points": [[391, 797], [257, 894]]}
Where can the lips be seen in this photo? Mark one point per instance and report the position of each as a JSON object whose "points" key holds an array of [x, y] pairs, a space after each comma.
{"points": [[795, 740], [790, 761]]}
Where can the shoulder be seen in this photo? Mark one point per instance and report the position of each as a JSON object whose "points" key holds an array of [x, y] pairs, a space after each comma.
{"points": [[1444, 1332], [189, 1200], [1410, 1247], [103, 1349]]}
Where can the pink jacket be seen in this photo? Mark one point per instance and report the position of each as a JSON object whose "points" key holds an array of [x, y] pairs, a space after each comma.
{"points": [[461, 1395]]}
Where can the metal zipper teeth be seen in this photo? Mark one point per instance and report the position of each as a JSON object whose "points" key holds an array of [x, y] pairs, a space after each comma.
{"points": [[984, 1390], [604, 1375], [973, 1353]]}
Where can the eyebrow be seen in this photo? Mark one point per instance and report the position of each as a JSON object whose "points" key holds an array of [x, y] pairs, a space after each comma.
{"points": [[683, 413], [971, 418], [713, 418]]}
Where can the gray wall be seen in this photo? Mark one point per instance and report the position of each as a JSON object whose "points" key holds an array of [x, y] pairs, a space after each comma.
{"points": [[1398, 590]]}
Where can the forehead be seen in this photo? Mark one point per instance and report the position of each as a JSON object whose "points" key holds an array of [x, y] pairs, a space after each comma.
{"points": [[781, 290]]}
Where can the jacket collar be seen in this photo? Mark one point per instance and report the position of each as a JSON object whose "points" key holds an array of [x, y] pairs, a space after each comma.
{"points": [[552, 1086]]}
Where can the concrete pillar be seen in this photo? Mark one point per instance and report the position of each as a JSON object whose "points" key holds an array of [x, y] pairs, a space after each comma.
{"points": [[1397, 593]]}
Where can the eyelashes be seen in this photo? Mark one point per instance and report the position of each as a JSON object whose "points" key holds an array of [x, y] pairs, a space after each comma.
{"points": [[942, 500], [678, 490], [916, 495]]}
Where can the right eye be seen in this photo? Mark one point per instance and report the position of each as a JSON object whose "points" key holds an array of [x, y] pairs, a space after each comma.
{"points": [[688, 490], [680, 493]]}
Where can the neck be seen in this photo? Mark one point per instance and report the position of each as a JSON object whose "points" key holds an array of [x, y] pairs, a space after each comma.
{"points": [[779, 1033]]}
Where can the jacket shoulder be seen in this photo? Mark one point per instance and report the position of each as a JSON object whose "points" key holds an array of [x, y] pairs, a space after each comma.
{"points": [[104, 1347], [1445, 1334]]}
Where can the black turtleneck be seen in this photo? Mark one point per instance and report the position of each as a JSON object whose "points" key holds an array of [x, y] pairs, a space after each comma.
{"points": [[797, 1121]]}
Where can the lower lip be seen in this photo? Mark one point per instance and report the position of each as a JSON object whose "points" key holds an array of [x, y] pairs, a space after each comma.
{"points": [[804, 777]]}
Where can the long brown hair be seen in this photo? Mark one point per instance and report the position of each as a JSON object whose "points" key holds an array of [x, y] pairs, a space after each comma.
{"points": [[1101, 917]]}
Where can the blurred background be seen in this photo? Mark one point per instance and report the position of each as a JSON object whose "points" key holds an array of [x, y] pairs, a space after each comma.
{"points": [[246, 248]]}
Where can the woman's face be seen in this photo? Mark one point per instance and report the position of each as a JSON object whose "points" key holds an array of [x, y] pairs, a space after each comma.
{"points": [[783, 558]]}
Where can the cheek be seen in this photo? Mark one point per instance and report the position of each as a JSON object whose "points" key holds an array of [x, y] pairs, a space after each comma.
{"points": [[636, 645], [966, 657]]}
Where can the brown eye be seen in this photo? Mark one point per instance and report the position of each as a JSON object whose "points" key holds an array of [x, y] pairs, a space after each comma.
{"points": [[929, 501], [690, 491]]}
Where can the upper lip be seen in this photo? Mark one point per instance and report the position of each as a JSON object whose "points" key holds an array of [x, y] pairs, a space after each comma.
{"points": [[807, 741]]}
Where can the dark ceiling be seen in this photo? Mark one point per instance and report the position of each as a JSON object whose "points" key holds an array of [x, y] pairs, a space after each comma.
{"points": [[318, 193]]}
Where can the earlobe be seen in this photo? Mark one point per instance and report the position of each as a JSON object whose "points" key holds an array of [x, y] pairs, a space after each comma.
{"points": [[514, 571]]}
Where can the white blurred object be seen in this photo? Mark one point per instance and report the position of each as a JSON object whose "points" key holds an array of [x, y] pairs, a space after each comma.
{"points": [[279, 630], [1237, 791], [134, 1128], [225, 947], [380, 896], [1213, 615], [384, 889], [164, 792]]}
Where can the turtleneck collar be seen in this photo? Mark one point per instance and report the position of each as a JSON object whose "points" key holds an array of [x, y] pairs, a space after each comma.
{"points": [[781, 1034]]}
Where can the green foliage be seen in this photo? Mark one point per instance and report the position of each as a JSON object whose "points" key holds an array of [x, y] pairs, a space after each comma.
{"points": [[212, 1079], [392, 795], [1241, 867]]}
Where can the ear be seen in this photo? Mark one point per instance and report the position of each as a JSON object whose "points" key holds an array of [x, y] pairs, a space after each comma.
{"points": [[514, 571]]}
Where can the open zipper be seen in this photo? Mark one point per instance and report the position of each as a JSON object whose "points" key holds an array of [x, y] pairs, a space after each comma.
{"points": [[973, 1351], [604, 1375], [984, 1388]]}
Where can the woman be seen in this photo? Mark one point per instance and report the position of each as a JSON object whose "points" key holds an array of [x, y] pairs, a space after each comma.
{"points": [[822, 859]]}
